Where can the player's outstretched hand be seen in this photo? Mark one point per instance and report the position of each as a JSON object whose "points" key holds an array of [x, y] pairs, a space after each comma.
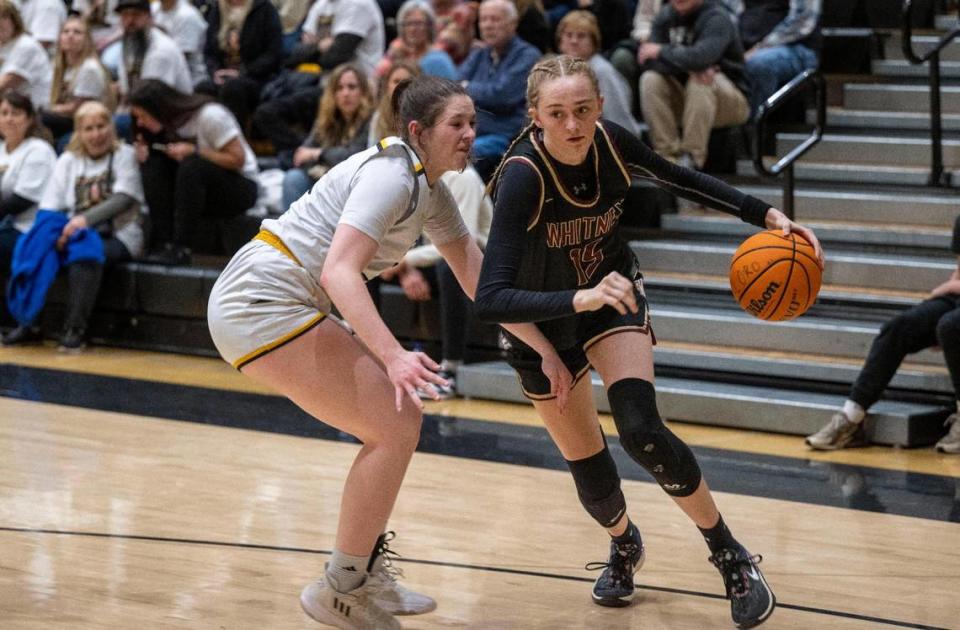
{"points": [[778, 220], [409, 371], [560, 378], [614, 290]]}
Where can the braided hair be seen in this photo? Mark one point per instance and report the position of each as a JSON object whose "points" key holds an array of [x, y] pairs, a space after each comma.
{"points": [[547, 69]]}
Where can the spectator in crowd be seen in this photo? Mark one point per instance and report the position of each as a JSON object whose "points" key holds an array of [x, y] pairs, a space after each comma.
{"points": [[24, 64], [205, 170], [104, 23], [26, 161], [244, 49], [495, 75], [334, 32], [383, 123], [613, 16], [148, 52], [533, 26], [183, 22], [415, 43], [341, 129], [97, 184], [43, 19], [292, 13], [579, 36], [625, 53], [456, 27], [78, 76], [933, 322], [695, 81], [782, 39]]}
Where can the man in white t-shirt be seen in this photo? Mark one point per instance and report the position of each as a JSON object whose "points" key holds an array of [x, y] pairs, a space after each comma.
{"points": [[182, 21], [43, 19], [148, 52], [334, 32]]}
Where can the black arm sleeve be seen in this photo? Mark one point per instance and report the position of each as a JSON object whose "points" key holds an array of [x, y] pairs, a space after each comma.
{"points": [[14, 204], [341, 50], [498, 299], [115, 204], [645, 164]]}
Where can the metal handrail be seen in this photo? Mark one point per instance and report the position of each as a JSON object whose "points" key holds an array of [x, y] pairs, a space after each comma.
{"points": [[785, 164], [937, 175]]}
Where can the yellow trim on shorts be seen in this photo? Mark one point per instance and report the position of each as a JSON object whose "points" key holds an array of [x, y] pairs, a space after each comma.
{"points": [[274, 241], [259, 352]]}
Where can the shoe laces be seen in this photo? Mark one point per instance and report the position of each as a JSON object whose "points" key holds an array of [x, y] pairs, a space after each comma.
{"points": [[733, 565], [389, 570], [619, 562]]}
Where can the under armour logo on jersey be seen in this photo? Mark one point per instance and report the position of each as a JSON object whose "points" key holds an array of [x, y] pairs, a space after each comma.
{"points": [[579, 189]]}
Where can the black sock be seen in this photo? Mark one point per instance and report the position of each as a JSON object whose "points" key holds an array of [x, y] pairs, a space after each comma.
{"points": [[631, 535], [719, 537]]}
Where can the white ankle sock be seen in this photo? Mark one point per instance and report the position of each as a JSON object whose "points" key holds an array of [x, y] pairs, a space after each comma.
{"points": [[346, 572], [853, 411]]}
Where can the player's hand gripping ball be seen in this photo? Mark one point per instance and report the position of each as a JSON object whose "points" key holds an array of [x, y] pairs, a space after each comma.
{"points": [[775, 277]]}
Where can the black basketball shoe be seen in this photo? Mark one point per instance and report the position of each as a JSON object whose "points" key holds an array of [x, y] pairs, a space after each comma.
{"points": [[614, 587], [751, 600]]}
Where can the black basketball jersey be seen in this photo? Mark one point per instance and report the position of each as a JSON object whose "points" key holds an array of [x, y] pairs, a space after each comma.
{"points": [[571, 242]]}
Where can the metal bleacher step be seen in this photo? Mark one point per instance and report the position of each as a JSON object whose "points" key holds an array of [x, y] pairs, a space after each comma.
{"points": [[872, 149], [858, 173], [945, 22], [731, 327], [893, 48], [899, 235], [794, 366], [933, 208], [903, 68], [898, 98], [844, 267], [863, 118], [742, 406]]}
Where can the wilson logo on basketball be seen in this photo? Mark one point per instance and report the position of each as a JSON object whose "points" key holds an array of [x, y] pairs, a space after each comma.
{"points": [[756, 306]]}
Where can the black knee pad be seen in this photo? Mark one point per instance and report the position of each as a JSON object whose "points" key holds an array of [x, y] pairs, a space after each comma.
{"points": [[643, 435], [598, 486]]}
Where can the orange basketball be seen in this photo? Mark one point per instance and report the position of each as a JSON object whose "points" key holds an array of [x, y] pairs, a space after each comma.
{"points": [[775, 277]]}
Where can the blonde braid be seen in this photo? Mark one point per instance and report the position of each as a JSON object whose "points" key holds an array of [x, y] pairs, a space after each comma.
{"points": [[546, 69]]}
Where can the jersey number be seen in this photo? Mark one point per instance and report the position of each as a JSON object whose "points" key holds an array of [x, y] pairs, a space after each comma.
{"points": [[586, 259]]}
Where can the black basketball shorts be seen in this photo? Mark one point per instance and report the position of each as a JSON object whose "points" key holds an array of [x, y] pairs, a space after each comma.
{"points": [[592, 327]]}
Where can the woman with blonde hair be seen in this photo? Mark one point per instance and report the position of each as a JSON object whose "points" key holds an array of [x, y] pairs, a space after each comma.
{"points": [[78, 76], [584, 290], [96, 182], [340, 130], [383, 123]]}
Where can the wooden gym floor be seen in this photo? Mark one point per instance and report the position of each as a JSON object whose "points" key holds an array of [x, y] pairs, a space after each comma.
{"points": [[142, 490]]}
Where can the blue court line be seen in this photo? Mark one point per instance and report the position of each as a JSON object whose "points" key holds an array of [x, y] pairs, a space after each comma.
{"points": [[470, 567]]}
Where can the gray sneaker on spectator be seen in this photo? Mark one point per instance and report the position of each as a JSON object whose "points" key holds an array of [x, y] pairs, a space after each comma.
{"points": [[838, 433], [950, 443]]}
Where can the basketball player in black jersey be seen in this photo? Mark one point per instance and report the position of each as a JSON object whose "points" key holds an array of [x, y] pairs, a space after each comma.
{"points": [[556, 257]]}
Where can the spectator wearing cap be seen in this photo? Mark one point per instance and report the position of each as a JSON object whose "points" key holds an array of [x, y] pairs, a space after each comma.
{"points": [[148, 52]]}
